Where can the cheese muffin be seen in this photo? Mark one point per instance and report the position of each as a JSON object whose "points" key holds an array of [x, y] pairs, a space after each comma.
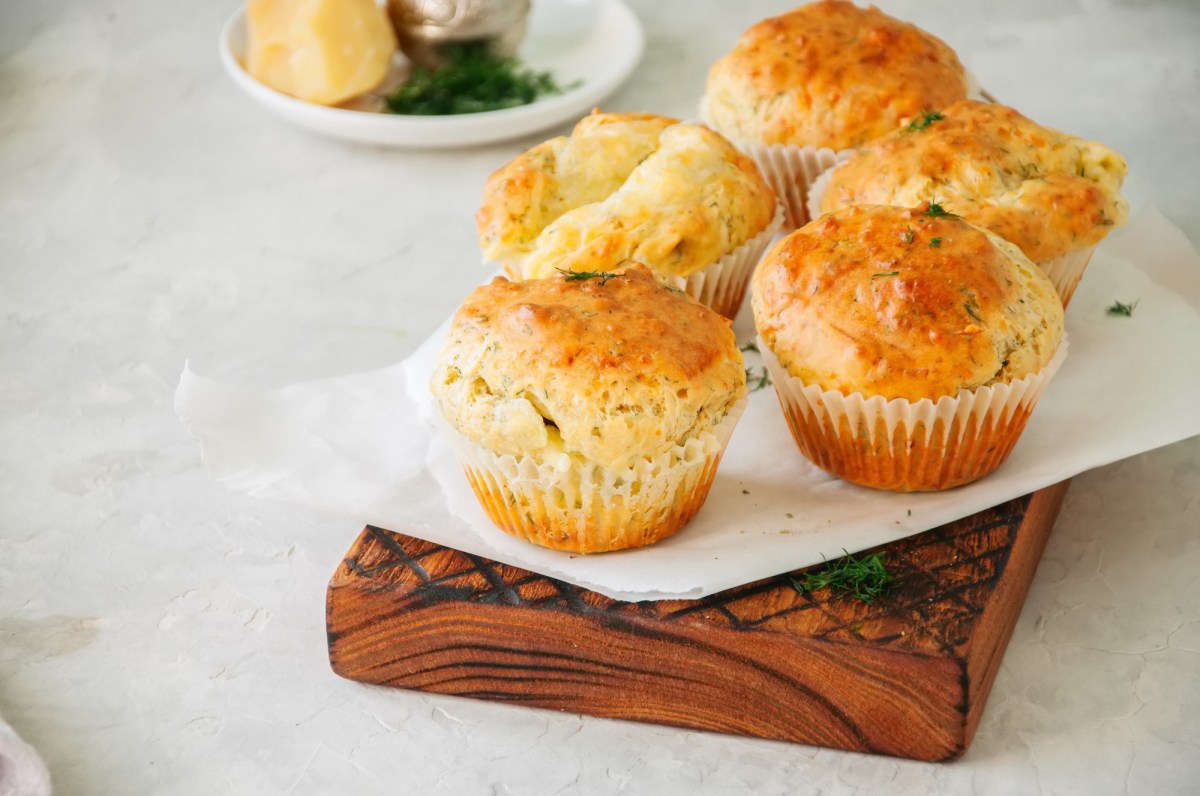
{"points": [[800, 88], [675, 197], [590, 411], [1054, 195], [907, 346]]}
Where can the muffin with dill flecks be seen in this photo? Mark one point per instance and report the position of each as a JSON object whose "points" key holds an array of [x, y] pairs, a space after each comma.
{"points": [[626, 187], [800, 89], [907, 346], [589, 409], [1052, 194]]}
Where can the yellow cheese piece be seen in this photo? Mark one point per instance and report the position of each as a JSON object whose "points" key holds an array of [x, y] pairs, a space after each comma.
{"points": [[321, 51]]}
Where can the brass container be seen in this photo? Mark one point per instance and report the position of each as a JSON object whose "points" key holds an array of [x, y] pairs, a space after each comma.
{"points": [[425, 27]]}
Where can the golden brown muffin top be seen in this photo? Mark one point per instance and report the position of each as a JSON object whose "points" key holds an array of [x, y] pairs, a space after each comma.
{"points": [[676, 197], [1046, 191], [829, 74], [612, 367], [904, 303]]}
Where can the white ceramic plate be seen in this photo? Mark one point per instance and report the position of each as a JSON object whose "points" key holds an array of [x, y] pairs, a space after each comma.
{"points": [[600, 59]]}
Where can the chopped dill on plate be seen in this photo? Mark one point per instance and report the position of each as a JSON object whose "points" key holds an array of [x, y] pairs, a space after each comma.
{"points": [[472, 80]]}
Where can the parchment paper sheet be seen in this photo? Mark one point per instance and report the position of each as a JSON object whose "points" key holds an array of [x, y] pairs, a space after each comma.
{"points": [[366, 446]]}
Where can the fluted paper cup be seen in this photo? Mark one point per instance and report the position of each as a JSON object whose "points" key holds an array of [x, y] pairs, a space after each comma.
{"points": [[722, 285], [564, 502], [909, 446], [1066, 270]]}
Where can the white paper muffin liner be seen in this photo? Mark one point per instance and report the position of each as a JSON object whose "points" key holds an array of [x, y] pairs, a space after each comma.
{"points": [[974, 90], [788, 169], [791, 170], [563, 502], [908, 446], [722, 285], [1066, 270], [817, 190]]}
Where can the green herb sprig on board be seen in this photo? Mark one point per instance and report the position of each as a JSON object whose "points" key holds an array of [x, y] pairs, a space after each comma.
{"points": [[865, 578], [472, 80]]}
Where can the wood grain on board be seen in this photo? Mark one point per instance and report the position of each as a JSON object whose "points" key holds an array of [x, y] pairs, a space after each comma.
{"points": [[907, 675]]}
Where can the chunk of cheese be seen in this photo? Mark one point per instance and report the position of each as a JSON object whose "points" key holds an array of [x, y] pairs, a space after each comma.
{"points": [[320, 51]]}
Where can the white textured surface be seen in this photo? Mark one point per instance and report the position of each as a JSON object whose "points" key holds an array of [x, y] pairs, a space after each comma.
{"points": [[161, 635]]}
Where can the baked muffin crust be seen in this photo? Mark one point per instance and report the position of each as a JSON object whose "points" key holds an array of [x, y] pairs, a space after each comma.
{"points": [[623, 187], [905, 304], [1046, 191], [829, 74]]}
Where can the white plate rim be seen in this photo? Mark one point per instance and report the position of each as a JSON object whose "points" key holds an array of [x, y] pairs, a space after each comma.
{"points": [[614, 21]]}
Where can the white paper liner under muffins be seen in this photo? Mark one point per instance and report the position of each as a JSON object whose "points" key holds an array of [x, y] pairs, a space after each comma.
{"points": [[908, 446], [722, 285], [566, 503], [1064, 271]]}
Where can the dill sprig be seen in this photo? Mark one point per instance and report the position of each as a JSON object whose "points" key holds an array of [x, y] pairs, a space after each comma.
{"points": [[865, 578], [1121, 308], [923, 121], [473, 79], [758, 380], [755, 379], [579, 276], [935, 210]]}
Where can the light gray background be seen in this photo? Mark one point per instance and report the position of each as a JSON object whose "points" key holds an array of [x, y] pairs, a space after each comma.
{"points": [[161, 635]]}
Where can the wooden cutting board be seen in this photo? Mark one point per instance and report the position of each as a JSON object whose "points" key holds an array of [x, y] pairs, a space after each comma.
{"points": [[907, 675]]}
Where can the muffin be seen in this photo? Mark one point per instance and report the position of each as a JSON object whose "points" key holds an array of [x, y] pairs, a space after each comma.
{"points": [[624, 188], [907, 346], [590, 410], [800, 88], [1054, 195]]}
